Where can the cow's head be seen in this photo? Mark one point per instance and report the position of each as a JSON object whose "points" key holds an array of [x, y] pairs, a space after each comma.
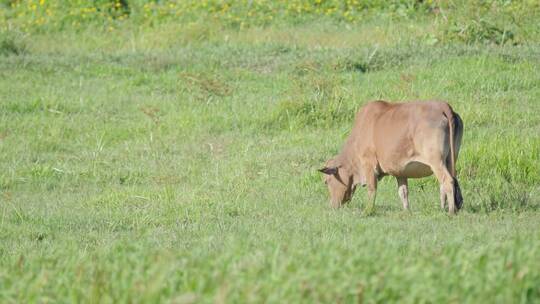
{"points": [[339, 181]]}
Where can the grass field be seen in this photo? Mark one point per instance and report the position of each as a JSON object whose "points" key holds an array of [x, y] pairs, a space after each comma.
{"points": [[177, 163]]}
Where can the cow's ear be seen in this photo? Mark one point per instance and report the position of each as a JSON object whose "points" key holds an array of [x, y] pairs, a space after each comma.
{"points": [[329, 170]]}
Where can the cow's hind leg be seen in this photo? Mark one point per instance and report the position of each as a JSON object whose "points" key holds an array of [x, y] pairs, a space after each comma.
{"points": [[403, 191], [442, 197], [447, 185]]}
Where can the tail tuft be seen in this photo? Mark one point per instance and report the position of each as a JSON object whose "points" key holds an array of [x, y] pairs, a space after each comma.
{"points": [[457, 194]]}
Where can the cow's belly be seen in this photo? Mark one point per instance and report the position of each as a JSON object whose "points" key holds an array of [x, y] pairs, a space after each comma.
{"points": [[415, 169]]}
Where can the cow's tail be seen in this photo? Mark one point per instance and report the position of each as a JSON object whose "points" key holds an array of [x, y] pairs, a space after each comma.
{"points": [[455, 126]]}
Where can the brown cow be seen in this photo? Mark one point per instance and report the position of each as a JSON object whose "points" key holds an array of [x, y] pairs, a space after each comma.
{"points": [[405, 140]]}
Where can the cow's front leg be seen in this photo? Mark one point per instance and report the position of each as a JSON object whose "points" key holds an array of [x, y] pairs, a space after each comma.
{"points": [[372, 194], [403, 191]]}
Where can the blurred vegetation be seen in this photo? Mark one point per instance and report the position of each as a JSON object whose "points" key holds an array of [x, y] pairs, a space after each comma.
{"points": [[476, 21]]}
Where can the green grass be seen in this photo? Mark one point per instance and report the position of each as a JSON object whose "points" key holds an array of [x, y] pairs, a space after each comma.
{"points": [[178, 164]]}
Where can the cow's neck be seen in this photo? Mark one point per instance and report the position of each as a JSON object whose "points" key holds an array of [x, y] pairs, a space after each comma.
{"points": [[347, 162], [350, 160]]}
